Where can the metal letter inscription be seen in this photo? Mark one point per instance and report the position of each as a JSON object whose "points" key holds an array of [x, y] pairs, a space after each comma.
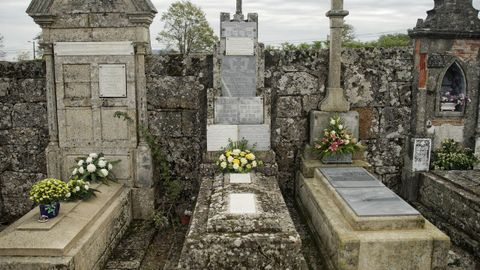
{"points": [[239, 77], [112, 80], [239, 46], [421, 155]]}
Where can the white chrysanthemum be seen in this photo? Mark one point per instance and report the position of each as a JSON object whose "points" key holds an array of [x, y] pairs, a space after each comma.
{"points": [[77, 188], [223, 165], [75, 171], [332, 121], [230, 159], [86, 187], [244, 161], [347, 141], [333, 132], [81, 170], [93, 155], [236, 166], [91, 168], [340, 126], [110, 166], [103, 173], [222, 157], [80, 162], [68, 195], [102, 163], [236, 152], [89, 160], [254, 164]]}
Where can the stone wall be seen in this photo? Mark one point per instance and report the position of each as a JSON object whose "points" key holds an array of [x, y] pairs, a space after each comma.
{"points": [[23, 134], [378, 83]]}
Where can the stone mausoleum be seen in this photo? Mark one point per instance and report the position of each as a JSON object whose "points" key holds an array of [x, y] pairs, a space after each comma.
{"points": [[385, 210]]}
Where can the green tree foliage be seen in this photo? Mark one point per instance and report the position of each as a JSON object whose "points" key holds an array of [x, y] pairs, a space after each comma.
{"points": [[384, 41], [2, 52], [348, 33], [186, 29]]}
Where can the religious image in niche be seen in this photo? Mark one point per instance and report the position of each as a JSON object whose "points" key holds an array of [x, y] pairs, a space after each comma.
{"points": [[337, 145], [238, 158]]}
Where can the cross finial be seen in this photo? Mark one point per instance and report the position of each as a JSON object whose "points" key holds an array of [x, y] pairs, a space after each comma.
{"points": [[239, 7]]}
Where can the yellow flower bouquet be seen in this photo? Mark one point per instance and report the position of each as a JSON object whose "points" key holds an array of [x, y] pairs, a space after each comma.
{"points": [[237, 158]]}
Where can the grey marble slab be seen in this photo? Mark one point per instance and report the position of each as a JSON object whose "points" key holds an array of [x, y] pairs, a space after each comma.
{"points": [[226, 110], [239, 76], [350, 177], [239, 29], [379, 201], [250, 111]]}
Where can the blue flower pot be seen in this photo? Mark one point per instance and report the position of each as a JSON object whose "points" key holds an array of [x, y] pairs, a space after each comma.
{"points": [[49, 210]]}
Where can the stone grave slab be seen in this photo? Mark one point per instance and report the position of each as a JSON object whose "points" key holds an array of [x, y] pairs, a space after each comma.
{"points": [[376, 201], [239, 77], [239, 29], [224, 234], [350, 177], [242, 203], [239, 178], [256, 134], [422, 149]]}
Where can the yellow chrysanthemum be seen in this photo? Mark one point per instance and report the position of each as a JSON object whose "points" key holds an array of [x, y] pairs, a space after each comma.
{"points": [[236, 161]]}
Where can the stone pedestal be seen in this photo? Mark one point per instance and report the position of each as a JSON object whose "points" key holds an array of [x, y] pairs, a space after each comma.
{"points": [[241, 225], [81, 237]]}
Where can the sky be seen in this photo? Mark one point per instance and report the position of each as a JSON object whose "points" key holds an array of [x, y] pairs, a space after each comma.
{"points": [[279, 20]]}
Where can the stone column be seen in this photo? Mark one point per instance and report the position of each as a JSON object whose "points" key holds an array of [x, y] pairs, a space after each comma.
{"points": [[238, 14], [335, 99]]}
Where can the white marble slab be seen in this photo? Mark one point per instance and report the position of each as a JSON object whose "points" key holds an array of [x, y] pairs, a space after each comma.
{"points": [[240, 178], [240, 46], [218, 135], [93, 48], [242, 203], [256, 134], [421, 155], [112, 80]]}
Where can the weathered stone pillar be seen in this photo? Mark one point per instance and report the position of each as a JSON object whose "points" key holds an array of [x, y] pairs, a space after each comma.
{"points": [[335, 99]]}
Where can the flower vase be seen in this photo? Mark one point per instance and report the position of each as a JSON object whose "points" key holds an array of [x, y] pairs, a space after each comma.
{"points": [[49, 210], [338, 159]]}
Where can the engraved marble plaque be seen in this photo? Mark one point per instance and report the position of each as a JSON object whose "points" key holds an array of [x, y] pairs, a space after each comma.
{"points": [[242, 203], [226, 110], [239, 77], [93, 48], [421, 155], [218, 135], [378, 201], [250, 110], [112, 80], [239, 29], [350, 177], [256, 134], [240, 178], [239, 46]]}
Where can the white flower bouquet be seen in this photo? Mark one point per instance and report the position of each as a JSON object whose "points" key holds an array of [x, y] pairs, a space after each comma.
{"points": [[236, 158], [79, 190], [94, 168]]}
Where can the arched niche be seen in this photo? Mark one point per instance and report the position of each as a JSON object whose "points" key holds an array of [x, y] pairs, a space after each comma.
{"points": [[452, 96]]}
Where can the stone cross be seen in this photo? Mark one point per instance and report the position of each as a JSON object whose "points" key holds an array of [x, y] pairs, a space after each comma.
{"points": [[239, 7], [335, 100]]}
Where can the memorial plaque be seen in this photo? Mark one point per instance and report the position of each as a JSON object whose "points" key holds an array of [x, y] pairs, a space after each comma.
{"points": [[240, 178], [250, 110], [350, 177], [256, 134], [218, 136], [112, 80], [421, 155], [240, 46], [226, 110], [239, 29], [239, 76], [242, 203], [379, 201], [93, 48]]}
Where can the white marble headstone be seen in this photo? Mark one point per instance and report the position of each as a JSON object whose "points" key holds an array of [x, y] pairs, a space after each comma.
{"points": [[242, 203], [218, 136], [421, 155]]}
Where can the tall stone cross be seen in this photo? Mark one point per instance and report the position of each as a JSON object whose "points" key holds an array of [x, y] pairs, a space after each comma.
{"points": [[335, 100]]}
